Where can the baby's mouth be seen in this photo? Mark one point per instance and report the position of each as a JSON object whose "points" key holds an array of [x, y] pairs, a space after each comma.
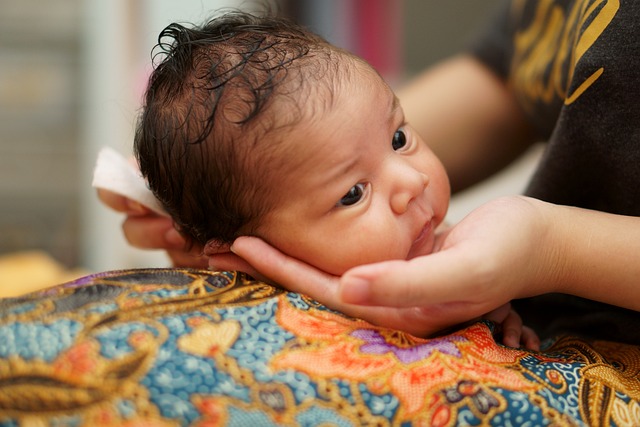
{"points": [[424, 237]]}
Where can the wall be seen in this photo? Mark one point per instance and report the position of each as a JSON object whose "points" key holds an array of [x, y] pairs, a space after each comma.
{"points": [[39, 56]]}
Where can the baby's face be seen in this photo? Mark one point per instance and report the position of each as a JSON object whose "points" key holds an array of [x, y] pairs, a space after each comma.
{"points": [[365, 187]]}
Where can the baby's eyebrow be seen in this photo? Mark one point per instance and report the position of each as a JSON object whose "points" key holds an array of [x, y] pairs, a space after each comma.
{"points": [[395, 106]]}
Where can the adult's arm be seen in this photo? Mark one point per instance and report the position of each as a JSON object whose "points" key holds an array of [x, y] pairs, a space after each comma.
{"points": [[512, 248]]}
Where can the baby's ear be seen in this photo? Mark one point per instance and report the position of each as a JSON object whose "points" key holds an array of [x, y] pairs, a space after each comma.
{"points": [[215, 246]]}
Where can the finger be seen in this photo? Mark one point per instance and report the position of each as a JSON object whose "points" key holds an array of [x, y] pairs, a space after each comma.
{"points": [[152, 232], [180, 258], [231, 262], [499, 314], [512, 329], [530, 339], [122, 204], [422, 281], [227, 261], [287, 271]]}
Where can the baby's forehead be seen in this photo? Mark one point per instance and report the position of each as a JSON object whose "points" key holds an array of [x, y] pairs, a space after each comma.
{"points": [[295, 119], [308, 96], [324, 107], [315, 90]]}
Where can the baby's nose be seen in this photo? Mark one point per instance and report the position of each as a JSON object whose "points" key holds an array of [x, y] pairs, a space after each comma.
{"points": [[409, 187]]}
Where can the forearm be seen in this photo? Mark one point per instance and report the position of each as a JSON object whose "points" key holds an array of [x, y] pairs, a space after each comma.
{"points": [[597, 254], [468, 117]]}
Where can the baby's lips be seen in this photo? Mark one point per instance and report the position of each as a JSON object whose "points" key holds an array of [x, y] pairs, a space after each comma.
{"points": [[424, 231], [416, 246]]}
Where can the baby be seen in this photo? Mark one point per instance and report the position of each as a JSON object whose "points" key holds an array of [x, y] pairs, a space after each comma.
{"points": [[255, 126]]}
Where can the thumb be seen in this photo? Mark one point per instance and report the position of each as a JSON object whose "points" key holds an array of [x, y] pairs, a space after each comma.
{"points": [[432, 279]]}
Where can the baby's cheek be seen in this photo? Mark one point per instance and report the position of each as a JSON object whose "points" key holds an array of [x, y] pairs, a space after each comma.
{"points": [[363, 245], [383, 250]]}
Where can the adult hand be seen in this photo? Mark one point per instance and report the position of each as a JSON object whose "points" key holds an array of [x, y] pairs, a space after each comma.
{"points": [[501, 251], [144, 229], [300, 277]]}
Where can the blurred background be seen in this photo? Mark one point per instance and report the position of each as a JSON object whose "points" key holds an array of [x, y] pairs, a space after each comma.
{"points": [[72, 73]]}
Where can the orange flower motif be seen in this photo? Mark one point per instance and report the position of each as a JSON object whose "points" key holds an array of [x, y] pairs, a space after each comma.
{"points": [[78, 361], [213, 411], [413, 369]]}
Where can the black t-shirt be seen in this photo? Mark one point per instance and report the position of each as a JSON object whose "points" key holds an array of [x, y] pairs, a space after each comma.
{"points": [[574, 66]]}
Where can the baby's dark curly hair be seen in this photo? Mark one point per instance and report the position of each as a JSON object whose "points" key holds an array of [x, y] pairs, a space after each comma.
{"points": [[219, 99]]}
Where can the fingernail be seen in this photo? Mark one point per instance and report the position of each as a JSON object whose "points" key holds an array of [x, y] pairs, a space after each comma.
{"points": [[135, 207], [233, 246], [355, 290]]}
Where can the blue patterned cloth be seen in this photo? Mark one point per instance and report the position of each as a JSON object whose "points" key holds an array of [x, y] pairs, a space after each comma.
{"points": [[172, 347]]}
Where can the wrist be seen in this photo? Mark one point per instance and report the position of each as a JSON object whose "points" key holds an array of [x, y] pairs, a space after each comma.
{"points": [[578, 241], [549, 246], [592, 255], [559, 229]]}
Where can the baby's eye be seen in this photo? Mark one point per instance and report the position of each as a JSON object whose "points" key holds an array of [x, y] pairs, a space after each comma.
{"points": [[353, 196], [399, 139]]}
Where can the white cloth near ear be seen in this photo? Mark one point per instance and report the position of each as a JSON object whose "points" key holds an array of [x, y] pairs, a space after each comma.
{"points": [[113, 172]]}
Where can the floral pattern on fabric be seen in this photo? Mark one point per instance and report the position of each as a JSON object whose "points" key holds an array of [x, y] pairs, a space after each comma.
{"points": [[169, 347]]}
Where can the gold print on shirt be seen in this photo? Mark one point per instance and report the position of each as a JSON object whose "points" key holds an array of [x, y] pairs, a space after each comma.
{"points": [[547, 52]]}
